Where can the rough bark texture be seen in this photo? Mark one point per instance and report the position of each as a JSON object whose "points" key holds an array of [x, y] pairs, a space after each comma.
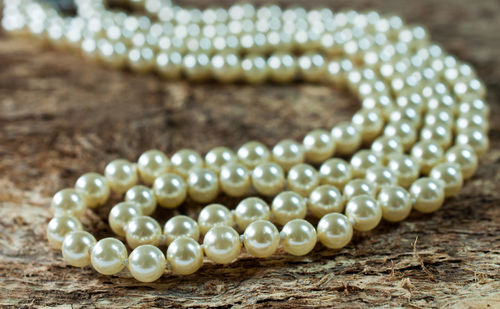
{"points": [[61, 116]]}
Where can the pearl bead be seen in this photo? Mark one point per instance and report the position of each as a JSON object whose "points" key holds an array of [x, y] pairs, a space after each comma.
{"points": [[363, 160], [185, 255], [335, 172], [203, 185], [364, 211], [406, 113], [222, 244], [142, 230], [288, 153], [268, 178], [261, 238], [249, 210], [151, 164], [283, 67], [325, 199], [465, 157], [226, 67], [144, 197], [218, 157], [170, 190], [334, 231], [184, 160], [121, 175], [395, 202], [255, 69], [76, 248], [346, 137], [475, 138], [428, 194], [357, 187], [253, 153], [212, 215], [235, 179], [402, 130], [287, 206], [384, 146], [298, 237], [147, 263], [406, 168], [121, 214], [302, 178], [59, 227], [369, 123], [451, 175], [318, 145], [95, 187], [474, 120], [108, 256], [427, 154], [380, 176], [438, 133], [69, 202]]}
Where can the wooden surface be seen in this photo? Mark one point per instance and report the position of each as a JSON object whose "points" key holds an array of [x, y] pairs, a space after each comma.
{"points": [[61, 116]]}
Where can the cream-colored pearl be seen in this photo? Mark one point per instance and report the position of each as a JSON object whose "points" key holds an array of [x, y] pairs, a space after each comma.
{"points": [[184, 160], [427, 154], [142, 196], [334, 231], [69, 202], [302, 178], [212, 215], [185, 255], [464, 156], [451, 175], [472, 120], [363, 160], [346, 137], [335, 172], [283, 67], [312, 67], [404, 131], [384, 146], [287, 206], [218, 157], [474, 106], [395, 202], [96, 188], [226, 67], [428, 194], [298, 237], [76, 248], [142, 230], [180, 226], [151, 164], [261, 238], [364, 211], [147, 263], [121, 214], [380, 176], [357, 187], [253, 153], [235, 179], [406, 113], [255, 68], [268, 178], [249, 210], [438, 133], [475, 138], [325, 199], [406, 168], [318, 145], [121, 175], [203, 185], [108, 256], [222, 244], [59, 227], [170, 190], [288, 153], [369, 123]]}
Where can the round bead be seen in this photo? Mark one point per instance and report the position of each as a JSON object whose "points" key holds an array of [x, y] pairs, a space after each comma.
{"points": [[121, 214], [364, 211], [151, 164], [96, 188], [76, 248], [384, 146], [402, 130], [212, 215], [380, 176], [335, 172], [108, 256], [59, 227], [69, 202], [363, 160], [185, 255], [181, 226], [438, 133], [318, 145], [334, 231], [261, 238], [346, 137], [283, 67], [325, 199], [235, 179], [406, 168], [357, 187], [475, 138], [302, 178], [253, 153], [249, 210], [222, 244], [218, 157], [451, 175], [427, 154], [472, 120], [465, 157], [147, 263], [121, 175], [170, 190], [369, 123], [203, 185], [184, 160], [428, 194], [287, 206], [142, 196], [142, 230], [268, 178], [288, 153], [298, 237], [255, 69], [395, 202]]}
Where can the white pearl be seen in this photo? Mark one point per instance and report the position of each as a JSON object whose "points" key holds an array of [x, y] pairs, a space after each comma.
{"points": [[142, 196], [96, 188], [384, 146], [404, 131], [146, 263], [253, 153], [335, 172], [451, 175], [357, 187], [184, 160], [395, 202], [108, 256], [59, 227], [185, 255], [170, 190], [69, 202], [475, 138], [203, 185], [438, 133], [218, 157], [364, 211], [363, 160], [212, 215], [302, 178], [406, 168], [142, 230], [235, 179], [151, 164], [465, 157], [76, 248], [380, 176], [369, 123], [181, 226], [334, 231], [299, 237], [268, 178], [121, 214], [427, 154], [121, 175], [325, 199], [222, 244], [318, 145], [261, 238], [347, 138], [249, 210], [288, 153], [287, 206], [428, 194]]}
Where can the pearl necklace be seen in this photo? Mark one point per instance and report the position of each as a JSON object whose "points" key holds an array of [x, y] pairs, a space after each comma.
{"points": [[415, 98]]}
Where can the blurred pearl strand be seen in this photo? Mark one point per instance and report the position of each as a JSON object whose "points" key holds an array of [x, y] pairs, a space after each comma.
{"points": [[415, 98]]}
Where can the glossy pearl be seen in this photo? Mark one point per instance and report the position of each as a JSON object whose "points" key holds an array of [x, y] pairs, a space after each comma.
{"points": [[261, 238], [142, 196], [185, 255], [203, 185], [108, 256], [212, 215], [170, 190], [358, 187], [335, 172], [253, 153], [142, 230], [298, 237], [222, 244], [249, 210], [218, 157], [475, 138], [235, 179], [451, 175], [302, 178], [59, 227], [181, 226], [325, 199], [121, 175], [318, 145], [95, 187], [334, 231], [465, 157], [76, 248], [395, 202], [268, 178], [69, 202], [151, 164], [347, 138], [288, 153], [121, 214], [384, 146], [402, 130], [364, 211], [146, 263], [184, 160], [369, 123], [428, 194], [406, 168], [287, 206], [427, 154], [363, 160], [380, 176]]}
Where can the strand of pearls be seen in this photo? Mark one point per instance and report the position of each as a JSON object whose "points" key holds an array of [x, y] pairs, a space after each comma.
{"points": [[422, 127]]}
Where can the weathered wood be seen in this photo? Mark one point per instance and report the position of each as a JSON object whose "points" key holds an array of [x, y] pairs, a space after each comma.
{"points": [[61, 116]]}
